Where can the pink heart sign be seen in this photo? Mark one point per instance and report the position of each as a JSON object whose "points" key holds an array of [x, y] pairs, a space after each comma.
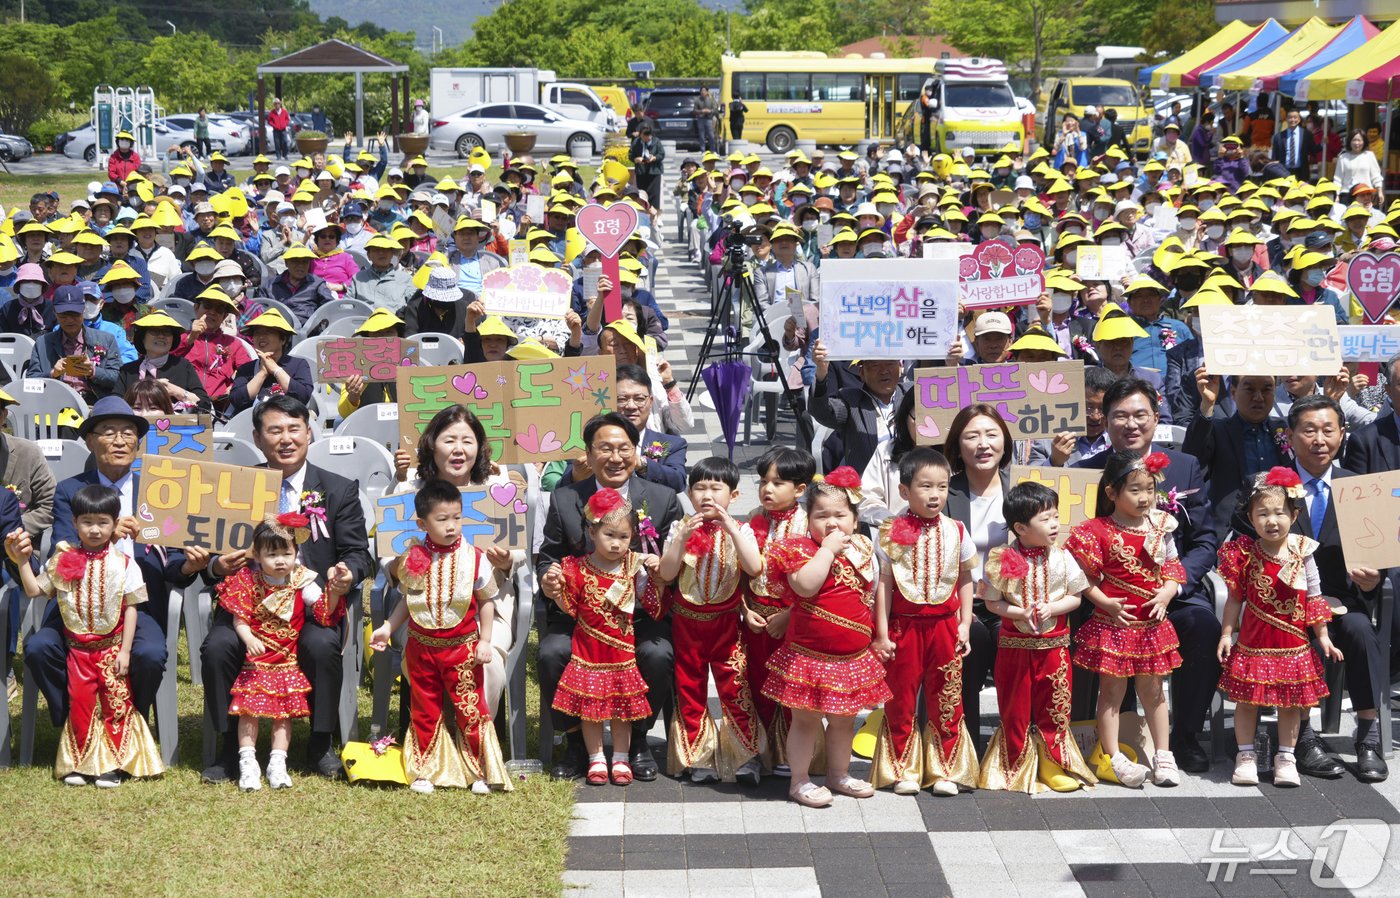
{"points": [[503, 493], [162, 424], [1375, 282], [607, 228], [467, 386]]}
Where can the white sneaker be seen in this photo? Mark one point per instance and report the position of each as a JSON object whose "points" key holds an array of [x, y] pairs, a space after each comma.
{"points": [[906, 787], [1164, 771], [422, 787], [75, 779], [1285, 770], [700, 775], [1246, 769], [944, 788], [109, 780], [277, 776], [1129, 773], [480, 788], [249, 774], [782, 770], [750, 773]]}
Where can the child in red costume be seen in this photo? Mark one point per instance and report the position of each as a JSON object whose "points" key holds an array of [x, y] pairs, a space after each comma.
{"points": [[709, 552], [923, 613], [1275, 598], [1129, 556], [826, 668], [268, 602], [449, 593], [601, 682], [783, 476]]}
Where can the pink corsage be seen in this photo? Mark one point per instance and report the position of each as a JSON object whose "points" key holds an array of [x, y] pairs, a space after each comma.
{"points": [[313, 505]]}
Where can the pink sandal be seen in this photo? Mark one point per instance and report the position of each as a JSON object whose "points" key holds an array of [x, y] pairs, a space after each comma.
{"points": [[621, 773], [597, 774]]}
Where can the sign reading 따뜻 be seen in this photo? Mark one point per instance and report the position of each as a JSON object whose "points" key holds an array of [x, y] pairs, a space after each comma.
{"points": [[1036, 400]]}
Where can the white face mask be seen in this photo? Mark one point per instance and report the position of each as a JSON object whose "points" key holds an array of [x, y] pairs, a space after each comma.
{"points": [[1111, 241], [1241, 254], [91, 310], [354, 228], [288, 220], [124, 295], [1076, 230], [885, 209], [1206, 204], [205, 267], [809, 225], [1215, 232], [386, 205], [231, 286], [1102, 212], [750, 200], [1152, 208], [6, 271], [1072, 258], [1186, 224], [31, 290], [123, 145], [1060, 302]]}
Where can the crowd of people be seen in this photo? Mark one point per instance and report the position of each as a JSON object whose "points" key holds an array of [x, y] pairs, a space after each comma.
{"points": [[874, 572]]}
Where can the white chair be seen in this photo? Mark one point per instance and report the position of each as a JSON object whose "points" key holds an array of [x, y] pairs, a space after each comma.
{"points": [[306, 351], [66, 458], [232, 450], [15, 350], [40, 403], [344, 327], [819, 434], [256, 305], [334, 311], [182, 310], [439, 349], [240, 426], [362, 457], [1169, 436], [379, 421], [769, 375]]}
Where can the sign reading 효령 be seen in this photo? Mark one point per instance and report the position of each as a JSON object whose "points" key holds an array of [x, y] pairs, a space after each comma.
{"points": [[1078, 489], [1277, 340], [1036, 400], [526, 291], [376, 359], [1369, 343], [1368, 517], [188, 502], [888, 308], [495, 514], [532, 411]]}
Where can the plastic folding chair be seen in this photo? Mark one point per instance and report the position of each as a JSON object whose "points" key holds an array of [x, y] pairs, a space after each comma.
{"points": [[1335, 674], [182, 310], [232, 450], [334, 311], [239, 426], [344, 327], [41, 402], [256, 305], [372, 463], [15, 350], [379, 421], [66, 458], [439, 349]]}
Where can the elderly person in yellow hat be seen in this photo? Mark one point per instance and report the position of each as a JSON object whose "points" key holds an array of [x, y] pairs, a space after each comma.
{"points": [[298, 287], [383, 283], [215, 354], [273, 372], [156, 335], [356, 391]]}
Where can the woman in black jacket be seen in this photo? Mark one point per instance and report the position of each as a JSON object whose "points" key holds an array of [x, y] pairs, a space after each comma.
{"points": [[273, 371], [155, 335]]}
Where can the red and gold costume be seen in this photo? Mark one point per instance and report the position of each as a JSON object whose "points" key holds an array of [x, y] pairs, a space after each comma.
{"points": [[1032, 674], [705, 625], [1131, 563], [826, 665], [926, 558], [103, 732], [441, 592], [1273, 663], [271, 684], [768, 529], [601, 681]]}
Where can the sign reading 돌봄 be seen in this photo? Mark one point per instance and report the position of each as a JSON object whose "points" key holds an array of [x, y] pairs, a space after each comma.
{"points": [[888, 308], [1035, 400]]}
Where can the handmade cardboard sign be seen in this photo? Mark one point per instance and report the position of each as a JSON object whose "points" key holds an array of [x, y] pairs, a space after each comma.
{"points": [[1103, 263], [888, 308], [1277, 340], [608, 228], [1078, 489], [526, 291], [373, 358], [1368, 516], [1375, 282], [494, 514], [532, 411], [997, 275], [193, 502], [1369, 342], [1036, 400], [184, 435]]}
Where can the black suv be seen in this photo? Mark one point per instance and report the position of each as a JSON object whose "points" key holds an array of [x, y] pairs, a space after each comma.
{"points": [[671, 111]]}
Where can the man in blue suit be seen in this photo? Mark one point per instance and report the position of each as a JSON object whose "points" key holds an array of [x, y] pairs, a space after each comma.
{"points": [[113, 433], [1130, 417], [660, 456]]}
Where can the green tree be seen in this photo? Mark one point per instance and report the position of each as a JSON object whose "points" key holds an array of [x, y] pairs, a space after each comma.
{"points": [[188, 70], [1116, 22], [1179, 26], [28, 95], [1019, 32]]}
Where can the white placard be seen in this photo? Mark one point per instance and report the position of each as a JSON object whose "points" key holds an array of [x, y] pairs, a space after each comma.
{"points": [[387, 411], [888, 308]]}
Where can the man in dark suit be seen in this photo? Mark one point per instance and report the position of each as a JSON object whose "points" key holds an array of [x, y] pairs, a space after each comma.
{"points": [[56, 353], [1316, 428], [611, 459], [113, 433], [660, 456], [1376, 447], [1294, 146], [1232, 450], [862, 415], [1131, 417], [340, 557]]}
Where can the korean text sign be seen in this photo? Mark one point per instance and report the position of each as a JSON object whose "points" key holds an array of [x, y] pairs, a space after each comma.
{"points": [[1036, 400], [1278, 340], [532, 411], [1369, 343], [997, 274], [191, 502], [888, 308], [495, 514], [190, 436], [1368, 517], [373, 358], [526, 291], [1078, 489]]}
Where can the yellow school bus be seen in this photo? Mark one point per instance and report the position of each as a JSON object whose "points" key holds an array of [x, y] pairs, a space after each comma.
{"points": [[806, 95]]}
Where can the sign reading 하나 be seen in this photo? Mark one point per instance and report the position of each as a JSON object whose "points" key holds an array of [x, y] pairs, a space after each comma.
{"points": [[532, 411], [888, 308], [188, 502], [494, 514], [1278, 340], [376, 359], [1036, 400], [1078, 489]]}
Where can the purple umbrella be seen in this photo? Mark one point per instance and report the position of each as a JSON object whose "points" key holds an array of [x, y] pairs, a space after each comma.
{"points": [[728, 383]]}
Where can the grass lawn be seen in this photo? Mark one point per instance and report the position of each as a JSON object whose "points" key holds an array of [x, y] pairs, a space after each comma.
{"points": [[177, 836]]}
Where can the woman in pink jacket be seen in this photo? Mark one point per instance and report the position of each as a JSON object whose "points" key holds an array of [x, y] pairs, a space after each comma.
{"points": [[333, 263]]}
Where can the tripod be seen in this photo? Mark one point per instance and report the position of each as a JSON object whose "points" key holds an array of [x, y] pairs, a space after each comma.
{"points": [[722, 321]]}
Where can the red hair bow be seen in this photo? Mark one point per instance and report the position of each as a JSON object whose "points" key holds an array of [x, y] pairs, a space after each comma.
{"points": [[72, 564], [844, 477], [418, 560], [1156, 463], [1284, 477], [1013, 564], [604, 502], [904, 531]]}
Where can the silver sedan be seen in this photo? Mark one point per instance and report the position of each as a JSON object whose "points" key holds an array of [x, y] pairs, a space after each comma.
{"points": [[487, 124]]}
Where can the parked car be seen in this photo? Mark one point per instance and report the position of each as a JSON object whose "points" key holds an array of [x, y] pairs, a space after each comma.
{"points": [[81, 143], [13, 147], [486, 124], [672, 114], [236, 137]]}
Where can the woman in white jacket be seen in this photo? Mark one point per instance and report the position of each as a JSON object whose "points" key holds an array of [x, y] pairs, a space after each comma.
{"points": [[1358, 165]]}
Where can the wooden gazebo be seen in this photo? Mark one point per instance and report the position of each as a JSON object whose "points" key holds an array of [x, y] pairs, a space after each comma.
{"points": [[336, 56]]}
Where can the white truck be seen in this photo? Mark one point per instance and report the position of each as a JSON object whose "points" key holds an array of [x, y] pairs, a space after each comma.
{"points": [[456, 89], [974, 107]]}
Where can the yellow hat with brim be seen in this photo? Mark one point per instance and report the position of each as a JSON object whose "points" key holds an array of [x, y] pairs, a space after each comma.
{"points": [[402, 232], [1222, 278], [417, 160], [381, 241], [89, 238], [1272, 282], [1117, 325], [542, 255], [224, 231], [270, 319], [7, 399], [624, 329], [1241, 237], [493, 326], [531, 349], [298, 251], [845, 235], [204, 251], [1143, 282], [158, 318], [216, 295], [64, 258], [422, 218], [1036, 338], [120, 271], [1207, 296], [1309, 258], [381, 319], [956, 214], [628, 276], [67, 225], [447, 184], [33, 227], [1061, 280]]}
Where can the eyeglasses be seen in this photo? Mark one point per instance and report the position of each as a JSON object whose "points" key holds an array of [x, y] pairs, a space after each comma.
{"points": [[1140, 418], [637, 400], [111, 434]]}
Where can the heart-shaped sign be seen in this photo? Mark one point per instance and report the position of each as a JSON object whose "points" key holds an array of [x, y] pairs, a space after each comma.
{"points": [[521, 506], [502, 493], [1043, 382], [162, 424], [466, 384], [929, 428], [169, 527], [607, 228], [532, 442], [1375, 282]]}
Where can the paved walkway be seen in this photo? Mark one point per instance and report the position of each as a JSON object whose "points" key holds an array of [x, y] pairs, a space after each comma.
{"points": [[1203, 838]]}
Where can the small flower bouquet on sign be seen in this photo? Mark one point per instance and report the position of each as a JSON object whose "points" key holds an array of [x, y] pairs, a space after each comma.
{"points": [[999, 274]]}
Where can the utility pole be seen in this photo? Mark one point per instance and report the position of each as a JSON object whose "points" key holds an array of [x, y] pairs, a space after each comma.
{"points": [[172, 27]]}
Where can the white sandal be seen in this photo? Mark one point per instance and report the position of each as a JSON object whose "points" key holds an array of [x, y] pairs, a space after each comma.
{"points": [[851, 787], [810, 795]]}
